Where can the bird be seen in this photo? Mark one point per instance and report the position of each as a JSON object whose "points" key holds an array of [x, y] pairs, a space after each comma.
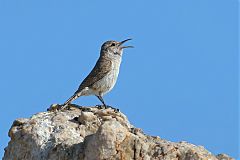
{"points": [[104, 74]]}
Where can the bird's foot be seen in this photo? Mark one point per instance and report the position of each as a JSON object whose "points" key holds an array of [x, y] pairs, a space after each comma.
{"points": [[115, 109], [106, 107], [100, 106]]}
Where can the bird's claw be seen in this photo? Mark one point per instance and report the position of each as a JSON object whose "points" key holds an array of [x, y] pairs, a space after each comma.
{"points": [[101, 106], [115, 109], [106, 107]]}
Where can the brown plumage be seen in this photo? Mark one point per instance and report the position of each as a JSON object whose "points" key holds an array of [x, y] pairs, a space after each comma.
{"points": [[102, 67]]}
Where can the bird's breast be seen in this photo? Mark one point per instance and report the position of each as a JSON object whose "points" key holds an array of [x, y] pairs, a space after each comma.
{"points": [[107, 82]]}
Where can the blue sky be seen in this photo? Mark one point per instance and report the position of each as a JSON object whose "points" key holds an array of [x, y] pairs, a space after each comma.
{"points": [[180, 82]]}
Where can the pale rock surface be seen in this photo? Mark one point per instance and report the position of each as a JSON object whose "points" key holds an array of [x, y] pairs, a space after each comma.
{"points": [[92, 134]]}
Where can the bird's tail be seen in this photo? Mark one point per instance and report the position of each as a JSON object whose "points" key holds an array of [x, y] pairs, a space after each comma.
{"points": [[72, 98]]}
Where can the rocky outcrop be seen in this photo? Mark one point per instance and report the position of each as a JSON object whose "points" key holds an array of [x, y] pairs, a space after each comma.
{"points": [[92, 134]]}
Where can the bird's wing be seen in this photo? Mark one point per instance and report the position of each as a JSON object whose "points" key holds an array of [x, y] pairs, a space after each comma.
{"points": [[102, 67]]}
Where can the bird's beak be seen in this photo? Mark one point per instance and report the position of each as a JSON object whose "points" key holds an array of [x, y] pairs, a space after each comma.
{"points": [[124, 42]]}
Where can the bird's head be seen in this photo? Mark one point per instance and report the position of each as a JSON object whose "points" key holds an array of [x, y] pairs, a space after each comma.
{"points": [[114, 49]]}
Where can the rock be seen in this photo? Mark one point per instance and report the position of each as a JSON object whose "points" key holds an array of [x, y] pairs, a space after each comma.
{"points": [[224, 157], [83, 133]]}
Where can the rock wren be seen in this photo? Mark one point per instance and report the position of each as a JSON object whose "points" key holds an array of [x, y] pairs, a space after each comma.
{"points": [[104, 75]]}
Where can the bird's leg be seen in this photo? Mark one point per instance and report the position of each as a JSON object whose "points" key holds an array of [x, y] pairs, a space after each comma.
{"points": [[101, 99], [106, 106], [115, 109]]}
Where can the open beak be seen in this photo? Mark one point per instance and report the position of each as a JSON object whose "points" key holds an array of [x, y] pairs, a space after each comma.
{"points": [[124, 42]]}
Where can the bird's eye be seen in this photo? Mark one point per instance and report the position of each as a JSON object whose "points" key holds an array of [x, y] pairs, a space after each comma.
{"points": [[113, 44]]}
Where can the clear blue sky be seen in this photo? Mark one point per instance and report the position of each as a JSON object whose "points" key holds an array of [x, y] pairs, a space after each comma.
{"points": [[179, 82]]}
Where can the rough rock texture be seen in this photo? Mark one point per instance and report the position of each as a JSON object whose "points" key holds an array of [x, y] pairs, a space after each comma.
{"points": [[92, 134]]}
